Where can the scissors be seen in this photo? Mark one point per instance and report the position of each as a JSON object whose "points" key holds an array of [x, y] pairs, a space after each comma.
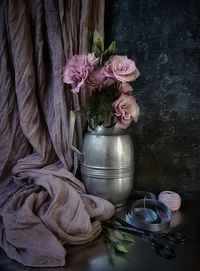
{"points": [[163, 249]]}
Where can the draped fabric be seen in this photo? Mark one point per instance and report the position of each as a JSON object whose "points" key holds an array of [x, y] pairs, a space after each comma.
{"points": [[42, 204]]}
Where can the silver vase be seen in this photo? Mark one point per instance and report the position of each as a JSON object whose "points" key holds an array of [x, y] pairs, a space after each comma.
{"points": [[107, 163]]}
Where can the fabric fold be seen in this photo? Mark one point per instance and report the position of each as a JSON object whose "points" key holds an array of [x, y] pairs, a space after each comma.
{"points": [[43, 206], [48, 209]]}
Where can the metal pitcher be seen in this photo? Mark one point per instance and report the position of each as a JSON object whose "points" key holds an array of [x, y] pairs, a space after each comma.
{"points": [[106, 162]]}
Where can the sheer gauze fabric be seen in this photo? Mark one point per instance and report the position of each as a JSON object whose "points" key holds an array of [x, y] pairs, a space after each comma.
{"points": [[42, 205]]}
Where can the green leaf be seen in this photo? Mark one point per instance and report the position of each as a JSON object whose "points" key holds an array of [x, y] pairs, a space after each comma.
{"points": [[118, 235], [121, 248], [113, 238], [129, 238], [96, 50], [95, 35], [100, 44], [97, 44], [111, 49]]}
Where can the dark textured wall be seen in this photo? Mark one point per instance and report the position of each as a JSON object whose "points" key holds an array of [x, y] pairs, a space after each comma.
{"points": [[163, 37]]}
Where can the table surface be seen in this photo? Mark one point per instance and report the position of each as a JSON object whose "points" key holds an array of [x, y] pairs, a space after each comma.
{"points": [[141, 256]]}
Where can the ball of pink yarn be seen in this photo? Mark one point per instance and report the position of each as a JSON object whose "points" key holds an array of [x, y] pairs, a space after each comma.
{"points": [[170, 199]]}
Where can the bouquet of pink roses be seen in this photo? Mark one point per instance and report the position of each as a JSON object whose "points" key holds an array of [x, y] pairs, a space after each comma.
{"points": [[107, 77]]}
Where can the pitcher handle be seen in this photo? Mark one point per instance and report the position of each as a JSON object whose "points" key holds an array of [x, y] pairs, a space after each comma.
{"points": [[72, 118]]}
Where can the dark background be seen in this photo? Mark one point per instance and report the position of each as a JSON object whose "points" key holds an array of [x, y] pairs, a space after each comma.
{"points": [[163, 37]]}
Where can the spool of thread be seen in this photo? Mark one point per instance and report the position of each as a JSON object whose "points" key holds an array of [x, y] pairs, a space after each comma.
{"points": [[176, 219], [171, 199]]}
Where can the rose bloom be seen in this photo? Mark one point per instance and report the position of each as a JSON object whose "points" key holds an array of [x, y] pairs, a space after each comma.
{"points": [[122, 69], [126, 110], [125, 87], [77, 69], [97, 79], [93, 60]]}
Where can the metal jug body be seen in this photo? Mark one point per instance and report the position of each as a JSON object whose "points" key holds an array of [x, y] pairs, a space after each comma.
{"points": [[106, 162], [108, 166]]}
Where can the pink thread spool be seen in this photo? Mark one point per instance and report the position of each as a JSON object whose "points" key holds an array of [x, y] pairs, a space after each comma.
{"points": [[176, 219], [170, 199]]}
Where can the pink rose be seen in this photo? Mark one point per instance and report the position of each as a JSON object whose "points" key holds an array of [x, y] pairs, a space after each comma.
{"points": [[125, 87], [122, 69], [77, 69], [97, 79], [126, 110], [93, 60]]}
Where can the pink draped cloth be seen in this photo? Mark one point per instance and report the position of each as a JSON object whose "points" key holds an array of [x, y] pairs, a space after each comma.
{"points": [[42, 204]]}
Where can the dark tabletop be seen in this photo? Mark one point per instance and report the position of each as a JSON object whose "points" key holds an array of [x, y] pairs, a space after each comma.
{"points": [[141, 257]]}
